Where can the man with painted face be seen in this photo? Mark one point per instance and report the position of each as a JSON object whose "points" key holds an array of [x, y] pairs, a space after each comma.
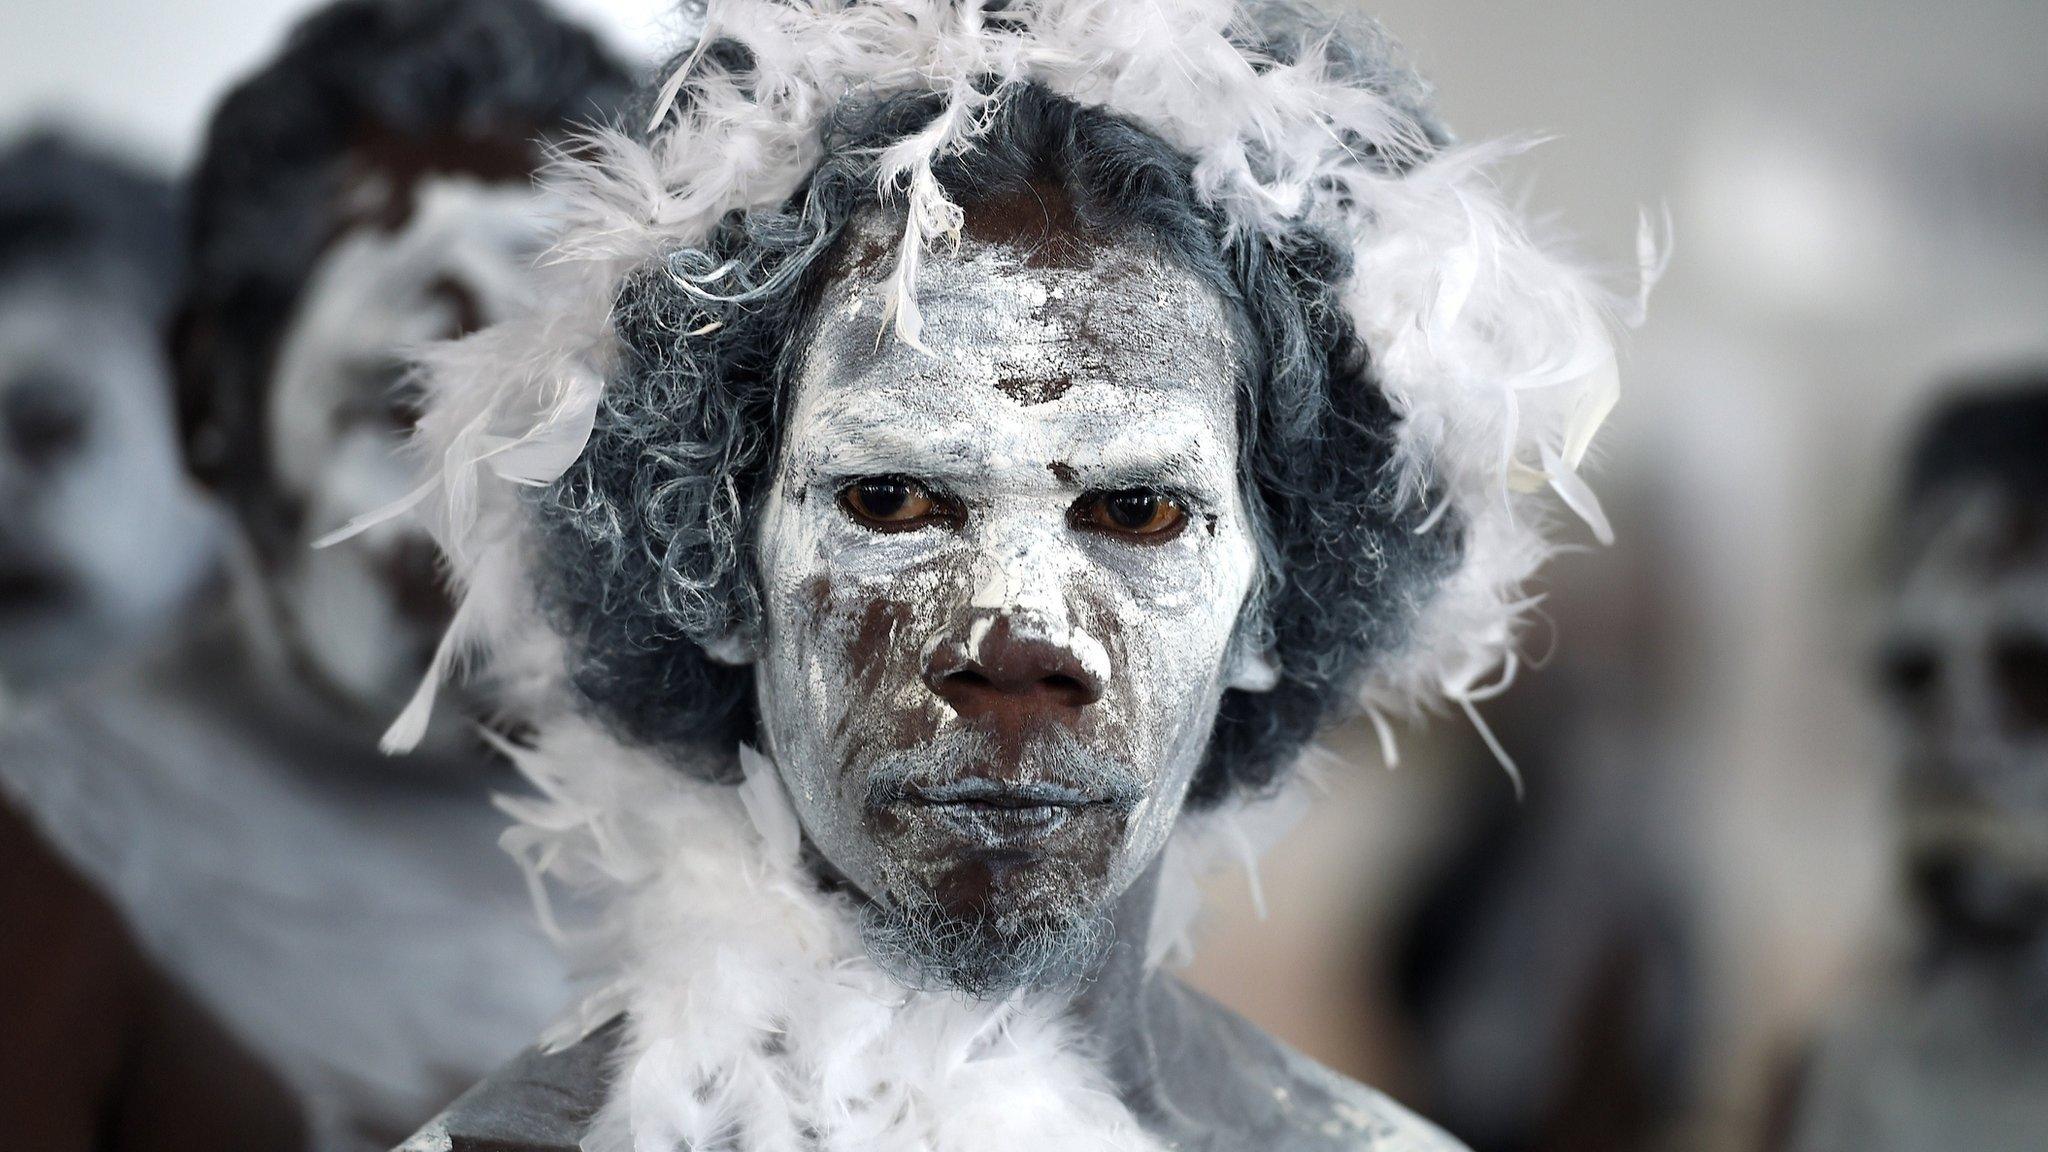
{"points": [[969, 452], [345, 917], [101, 1049], [1956, 1054], [89, 471]]}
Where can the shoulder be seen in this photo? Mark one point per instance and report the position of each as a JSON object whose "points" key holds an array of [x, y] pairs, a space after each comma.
{"points": [[541, 1101], [1360, 1117], [1260, 1093]]}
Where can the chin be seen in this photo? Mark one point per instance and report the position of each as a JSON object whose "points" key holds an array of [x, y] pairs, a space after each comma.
{"points": [[1008, 941]]}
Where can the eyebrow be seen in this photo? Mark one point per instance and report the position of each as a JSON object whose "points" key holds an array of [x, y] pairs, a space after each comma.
{"points": [[844, 445], [1178, 472]]}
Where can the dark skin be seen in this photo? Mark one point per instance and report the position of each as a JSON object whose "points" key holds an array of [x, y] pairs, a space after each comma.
{"points": [[104, 1052]]}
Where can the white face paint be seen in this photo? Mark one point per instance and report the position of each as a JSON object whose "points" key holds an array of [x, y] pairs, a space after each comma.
{"points": [[101, 534], [366, 615], [1966, 666], [993, 708]]}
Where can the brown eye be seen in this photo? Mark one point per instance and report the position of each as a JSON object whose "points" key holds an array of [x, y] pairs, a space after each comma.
{"points": [[889, 504], [1135, 513]]}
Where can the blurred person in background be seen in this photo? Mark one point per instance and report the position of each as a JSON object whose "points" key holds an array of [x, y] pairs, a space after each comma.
{"points": [[346, 918], [1953, 1054], [90, 481], [101, 539]]}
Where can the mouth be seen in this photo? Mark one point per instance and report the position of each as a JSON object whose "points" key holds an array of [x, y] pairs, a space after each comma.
{"points": [[1007, 812]]}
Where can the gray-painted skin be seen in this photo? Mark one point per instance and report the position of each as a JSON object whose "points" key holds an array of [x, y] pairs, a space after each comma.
{"points": [[1202, 1079], [989, 713]]}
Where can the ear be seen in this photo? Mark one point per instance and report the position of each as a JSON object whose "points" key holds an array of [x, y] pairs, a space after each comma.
{"points": [[1253, 668], [1252, 665], [736, 648]]}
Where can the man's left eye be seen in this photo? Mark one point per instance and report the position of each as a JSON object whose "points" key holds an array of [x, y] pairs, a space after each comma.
{"points": [[1135, 513]]}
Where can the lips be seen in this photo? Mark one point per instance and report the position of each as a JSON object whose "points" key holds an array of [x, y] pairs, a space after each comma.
{"points": [[1009, 812]]}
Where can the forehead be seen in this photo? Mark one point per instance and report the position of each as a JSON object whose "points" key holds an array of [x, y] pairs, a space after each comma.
{"points": [[1057, 333], [460, 228]]}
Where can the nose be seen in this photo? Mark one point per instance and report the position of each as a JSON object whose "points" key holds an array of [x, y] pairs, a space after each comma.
{"points": [[998, 674], [42, 421]]}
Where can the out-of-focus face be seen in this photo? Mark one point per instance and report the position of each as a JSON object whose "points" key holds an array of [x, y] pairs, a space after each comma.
{"points": [[100, 535], [365, 615], [1002, 586], [1966, 669]]}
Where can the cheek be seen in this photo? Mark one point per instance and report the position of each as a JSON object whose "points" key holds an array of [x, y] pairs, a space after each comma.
{"points": [[1171, 616], [847, 639], [878, 645], [359, 472]]}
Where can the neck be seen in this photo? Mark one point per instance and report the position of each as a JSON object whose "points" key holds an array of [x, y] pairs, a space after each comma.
{"points": [[1112, 1007]]}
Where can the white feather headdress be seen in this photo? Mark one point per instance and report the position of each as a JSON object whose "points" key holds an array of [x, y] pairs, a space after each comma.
{"points": [[1495, 354]]}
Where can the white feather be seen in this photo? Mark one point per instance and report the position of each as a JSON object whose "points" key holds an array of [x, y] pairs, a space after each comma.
{"points": [[768, 806], [1576, 495]]}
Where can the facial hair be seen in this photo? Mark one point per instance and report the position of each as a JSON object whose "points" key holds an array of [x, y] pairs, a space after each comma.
{"points": [[991, 952]]}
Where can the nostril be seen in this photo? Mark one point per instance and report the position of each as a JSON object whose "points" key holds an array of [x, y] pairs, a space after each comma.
{"points": [[1070, 690], [965, 684], [1005, 672]]}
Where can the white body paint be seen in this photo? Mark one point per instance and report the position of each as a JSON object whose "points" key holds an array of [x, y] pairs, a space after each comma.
{"points": [[1491, 351], [756, 1020], [375, 300], [1044, 383]]}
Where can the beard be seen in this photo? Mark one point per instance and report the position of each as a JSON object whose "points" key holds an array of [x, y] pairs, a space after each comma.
{"points": [[984, 956], [1050, 932]]}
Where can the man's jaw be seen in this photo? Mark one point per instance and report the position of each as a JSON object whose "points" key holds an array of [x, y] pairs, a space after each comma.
{"points": [[929, 948], [994, 864]]}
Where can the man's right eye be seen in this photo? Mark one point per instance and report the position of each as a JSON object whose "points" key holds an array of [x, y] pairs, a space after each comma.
{"points": [[893, 504]]}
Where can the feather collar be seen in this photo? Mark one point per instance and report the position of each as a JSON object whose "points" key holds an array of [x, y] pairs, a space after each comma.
{"points": [[755, 1019]]}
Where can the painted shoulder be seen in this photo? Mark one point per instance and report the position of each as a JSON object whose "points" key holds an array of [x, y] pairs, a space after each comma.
{"points": [[1262, 1094], [540, 1102]]}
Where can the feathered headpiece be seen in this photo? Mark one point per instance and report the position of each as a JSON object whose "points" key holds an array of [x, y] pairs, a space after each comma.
{"points": [[1494, 354]]}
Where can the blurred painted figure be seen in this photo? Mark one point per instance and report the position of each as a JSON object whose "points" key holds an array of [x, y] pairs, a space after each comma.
{"points": [[100, 535], [347, 917], [1956, 1054]]}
